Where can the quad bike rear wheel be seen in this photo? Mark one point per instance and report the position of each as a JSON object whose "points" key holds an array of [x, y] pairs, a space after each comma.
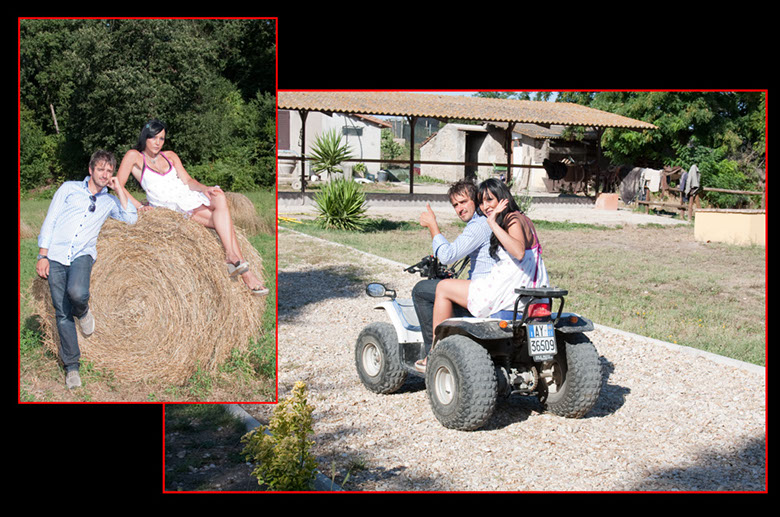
{"points": [[571, 382]]}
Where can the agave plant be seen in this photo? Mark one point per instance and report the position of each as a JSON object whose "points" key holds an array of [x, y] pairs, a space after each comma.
{"points": [[341, 205], [328, 152]]}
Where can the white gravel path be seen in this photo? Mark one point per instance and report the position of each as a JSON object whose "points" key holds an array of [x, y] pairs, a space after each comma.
{"points": [[668, 419]]}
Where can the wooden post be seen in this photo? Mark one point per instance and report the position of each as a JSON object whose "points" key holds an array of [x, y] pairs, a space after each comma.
{"points": [[508, 148], [303, 115], [412, 124], [599, 134]]}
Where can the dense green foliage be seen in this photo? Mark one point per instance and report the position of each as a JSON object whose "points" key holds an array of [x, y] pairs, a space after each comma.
{"points": [[722, 132], [389, 147], [211, 81]]}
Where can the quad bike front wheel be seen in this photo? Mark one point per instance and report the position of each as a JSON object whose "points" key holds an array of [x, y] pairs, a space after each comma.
{"points": [[378, 358], [461, 383]]}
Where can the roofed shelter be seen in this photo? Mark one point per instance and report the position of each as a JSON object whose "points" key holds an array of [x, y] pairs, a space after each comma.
{"points": [[424, 105]]}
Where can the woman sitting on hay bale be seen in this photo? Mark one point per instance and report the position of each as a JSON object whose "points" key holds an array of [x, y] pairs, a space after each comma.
{"points": [[168, 185]]}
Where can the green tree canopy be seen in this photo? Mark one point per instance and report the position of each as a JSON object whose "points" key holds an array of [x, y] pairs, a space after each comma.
{"points": [[210, 81], [722, 132]]}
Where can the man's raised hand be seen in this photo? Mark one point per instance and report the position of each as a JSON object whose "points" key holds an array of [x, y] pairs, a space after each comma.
{"points": [[428, 218]]}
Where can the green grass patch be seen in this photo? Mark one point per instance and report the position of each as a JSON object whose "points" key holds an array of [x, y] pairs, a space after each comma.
{"points": [[651, 280], [395, 240]]}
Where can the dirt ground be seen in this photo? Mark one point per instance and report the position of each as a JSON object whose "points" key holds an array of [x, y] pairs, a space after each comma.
{"points": [[204, 455]]}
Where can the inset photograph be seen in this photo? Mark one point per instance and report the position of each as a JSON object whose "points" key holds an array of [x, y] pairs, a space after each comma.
{"points": [[147, 234]]}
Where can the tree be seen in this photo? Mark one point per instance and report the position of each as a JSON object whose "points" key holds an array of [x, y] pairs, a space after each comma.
{"points": [[328, 152], [723, 132], [106, 78], [389, 148]]}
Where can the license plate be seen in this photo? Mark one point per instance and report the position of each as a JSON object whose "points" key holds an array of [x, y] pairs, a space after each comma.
{"points": [[541, 341]]}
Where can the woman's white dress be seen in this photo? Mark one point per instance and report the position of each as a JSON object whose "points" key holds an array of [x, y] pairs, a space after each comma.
{"points": [[166, 190], [496, 291]]}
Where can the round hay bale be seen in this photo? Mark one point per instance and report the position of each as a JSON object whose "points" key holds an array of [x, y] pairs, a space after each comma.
{"points": [[243, 212], [163, 302]]}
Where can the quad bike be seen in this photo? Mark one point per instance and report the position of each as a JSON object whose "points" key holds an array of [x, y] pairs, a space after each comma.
{"points": [[528, 351]]}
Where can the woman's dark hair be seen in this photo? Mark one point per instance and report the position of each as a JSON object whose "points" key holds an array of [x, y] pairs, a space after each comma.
{"points": [[150, 129], [498, 190]]}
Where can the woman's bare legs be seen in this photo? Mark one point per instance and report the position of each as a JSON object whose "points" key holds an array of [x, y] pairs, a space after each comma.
{"points": [[217, 216], [449, 292]]}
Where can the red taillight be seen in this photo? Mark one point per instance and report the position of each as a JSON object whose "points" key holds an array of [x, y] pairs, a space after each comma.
{"points": [[538, 310]]}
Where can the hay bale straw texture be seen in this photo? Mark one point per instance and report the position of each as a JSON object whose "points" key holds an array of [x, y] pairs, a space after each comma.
{"points": [[243, 212], [163, 302]]}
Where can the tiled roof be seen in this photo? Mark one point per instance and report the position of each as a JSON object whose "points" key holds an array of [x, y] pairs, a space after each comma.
{"points": [[553, 132], [454, 107]]}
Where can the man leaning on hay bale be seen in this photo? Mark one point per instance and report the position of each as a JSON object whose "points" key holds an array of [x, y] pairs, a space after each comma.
{"points": [[68, 248]]}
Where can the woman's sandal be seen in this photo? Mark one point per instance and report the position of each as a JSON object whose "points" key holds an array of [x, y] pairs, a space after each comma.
{"points": [[421, 364], [237, 268], [259, 291]]}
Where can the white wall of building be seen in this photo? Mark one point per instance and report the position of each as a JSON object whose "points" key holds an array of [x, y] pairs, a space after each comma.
{"points": [[363, 138]]}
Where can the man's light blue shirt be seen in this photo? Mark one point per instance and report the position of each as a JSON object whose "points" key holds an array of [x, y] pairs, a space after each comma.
{"points": [[474, 242], [70, 229]]}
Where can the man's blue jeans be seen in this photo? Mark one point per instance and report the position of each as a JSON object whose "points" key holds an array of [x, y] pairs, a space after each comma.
{"points": [[423, 296], [69, 286]]}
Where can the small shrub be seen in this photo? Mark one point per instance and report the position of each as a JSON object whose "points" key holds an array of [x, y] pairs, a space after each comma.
{"points": [[341, 206], [283, 457]]}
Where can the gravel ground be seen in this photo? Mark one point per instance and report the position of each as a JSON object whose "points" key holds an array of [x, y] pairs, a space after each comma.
{"points": [[668, 419]]}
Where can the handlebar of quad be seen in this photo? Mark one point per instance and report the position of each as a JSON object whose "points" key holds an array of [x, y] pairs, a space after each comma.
{"points": [[430, 267]]}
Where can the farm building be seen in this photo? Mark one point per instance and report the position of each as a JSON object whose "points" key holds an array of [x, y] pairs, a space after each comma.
{"points": [[502, 114], [362, 133], [481, 150]]}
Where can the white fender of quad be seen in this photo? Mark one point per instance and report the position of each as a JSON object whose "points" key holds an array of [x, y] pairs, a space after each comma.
{"points": [[406, 332]]}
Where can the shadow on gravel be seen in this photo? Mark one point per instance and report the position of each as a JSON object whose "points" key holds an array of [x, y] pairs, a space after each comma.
{"points": [[517, 408], [413, 384], [612, 397], [741, 470], [351, 470], [301, 288]]}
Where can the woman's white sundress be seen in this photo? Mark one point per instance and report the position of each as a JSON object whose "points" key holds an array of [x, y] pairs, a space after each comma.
{"points": [[496, 292], [166, 190]]}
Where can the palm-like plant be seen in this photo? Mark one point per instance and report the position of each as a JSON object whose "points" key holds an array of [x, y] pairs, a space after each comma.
{"points": [[328, 152], [341, 205]]}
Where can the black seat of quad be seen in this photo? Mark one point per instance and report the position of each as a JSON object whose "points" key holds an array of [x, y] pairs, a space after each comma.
{"points": [[542, 292]]}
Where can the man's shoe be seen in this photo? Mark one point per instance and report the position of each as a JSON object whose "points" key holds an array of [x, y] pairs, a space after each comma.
{"points": [[72, 379], [87, 323]]}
